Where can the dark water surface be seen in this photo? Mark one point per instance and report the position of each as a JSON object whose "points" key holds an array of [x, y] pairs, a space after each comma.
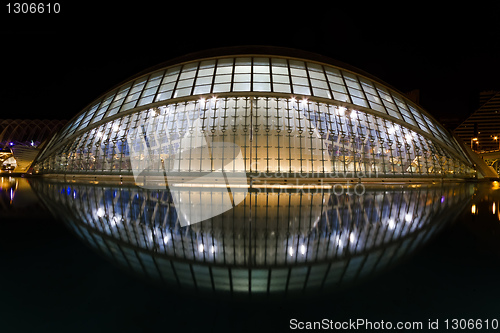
{"points": [[52, 282]]}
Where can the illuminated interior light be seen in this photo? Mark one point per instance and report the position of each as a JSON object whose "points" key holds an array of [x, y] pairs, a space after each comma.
{"points": [[212, 249], [201, 248], [473, 209], [354, 114], [339, 241], [493, 207], [166, 239], [391, 224], [290, 251], [293, 100], [302, 249], [266, 186], [408, 217], [100, 212], [352, 237], [116, 127], [341, 110], [99, 134]]}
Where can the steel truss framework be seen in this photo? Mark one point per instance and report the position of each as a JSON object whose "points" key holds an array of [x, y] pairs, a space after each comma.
{"points": [[30, 132], [271, 243]]}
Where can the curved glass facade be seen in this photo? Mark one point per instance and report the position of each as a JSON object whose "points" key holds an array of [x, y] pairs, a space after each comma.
{"points": [[273, 242], [286, 115]]}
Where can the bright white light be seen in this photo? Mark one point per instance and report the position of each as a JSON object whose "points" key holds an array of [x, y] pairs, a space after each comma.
{"points": [[408, 217], [201, 248], [391, 224], [293, 100], [116, 127], [212, 249], [166, 239], [114, 221], [304, 103], [214, 99], [409, 137], [352, 237], [391, 130], [354, 114], [99, 134], [290, 251], [100, 212], [303, 249], [339, 241], [341, 110]]}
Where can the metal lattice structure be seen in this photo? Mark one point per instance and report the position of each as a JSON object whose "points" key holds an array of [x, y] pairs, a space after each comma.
{"points": [[20, 140], [27, 132], [288, 115]]}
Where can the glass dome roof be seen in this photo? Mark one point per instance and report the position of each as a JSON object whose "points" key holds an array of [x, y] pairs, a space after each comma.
{"points": [[296, 82]]}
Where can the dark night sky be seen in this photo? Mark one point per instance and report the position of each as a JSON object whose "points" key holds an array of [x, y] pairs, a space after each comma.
{"points": [[54, 65]]}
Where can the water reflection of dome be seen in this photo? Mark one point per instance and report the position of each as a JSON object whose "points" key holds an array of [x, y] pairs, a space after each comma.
{"points": [[270, 243]]}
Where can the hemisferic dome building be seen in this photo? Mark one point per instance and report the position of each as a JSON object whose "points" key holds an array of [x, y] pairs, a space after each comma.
{"points": [[226, 172], [260, 114]]}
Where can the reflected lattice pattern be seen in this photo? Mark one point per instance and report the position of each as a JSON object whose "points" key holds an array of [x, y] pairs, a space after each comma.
{"points": [[271, 242]]}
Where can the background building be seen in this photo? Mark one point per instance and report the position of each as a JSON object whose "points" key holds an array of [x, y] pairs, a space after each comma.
{"points": [[481, 130]]}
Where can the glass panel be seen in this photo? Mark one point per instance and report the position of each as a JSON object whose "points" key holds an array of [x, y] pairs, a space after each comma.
{"points": [[241, 86], [202, 89], [222, 87], [302, 90], [298, 72], [222, 78], [224, 70], [281, 79], [261, 86], [300, 80], [242, 78], [261, 78], [280, 87], [321, 93]]}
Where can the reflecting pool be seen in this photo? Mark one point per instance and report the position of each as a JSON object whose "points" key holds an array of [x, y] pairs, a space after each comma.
{"points": [[273, 242]]}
